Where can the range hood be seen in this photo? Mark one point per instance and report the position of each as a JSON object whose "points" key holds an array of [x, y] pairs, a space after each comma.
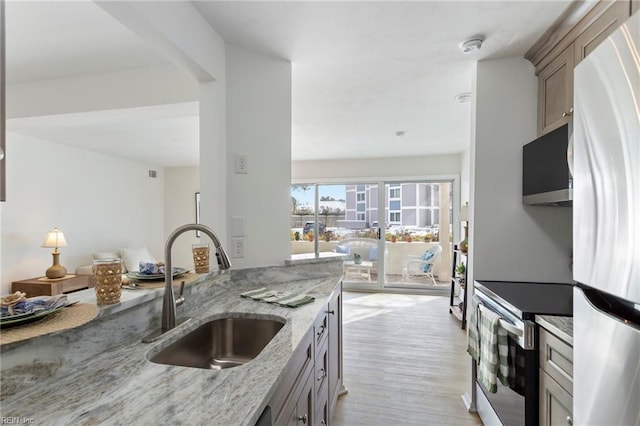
{"points": [[546, 174]]}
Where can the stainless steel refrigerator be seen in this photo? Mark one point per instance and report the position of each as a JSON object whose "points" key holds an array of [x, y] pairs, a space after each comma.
{"points": [[606, 232]]}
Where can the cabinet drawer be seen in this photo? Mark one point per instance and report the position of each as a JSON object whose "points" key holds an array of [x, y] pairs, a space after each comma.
{"points": [[322, 370], [556, 359], [321, 326], [322, 408]]}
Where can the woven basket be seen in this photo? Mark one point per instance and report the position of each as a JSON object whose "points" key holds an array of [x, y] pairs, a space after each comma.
{"points": [[201, 258], [108, 276]]}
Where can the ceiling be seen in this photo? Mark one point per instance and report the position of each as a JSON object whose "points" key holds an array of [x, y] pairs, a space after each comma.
{"points": [[361, 71]]}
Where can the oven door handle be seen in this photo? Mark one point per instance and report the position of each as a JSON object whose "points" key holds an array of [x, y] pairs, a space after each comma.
{"points": [[526, 336], [511, 328]]}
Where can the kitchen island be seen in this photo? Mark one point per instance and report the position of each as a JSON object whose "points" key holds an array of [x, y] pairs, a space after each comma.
{"points": [[99, 373]]}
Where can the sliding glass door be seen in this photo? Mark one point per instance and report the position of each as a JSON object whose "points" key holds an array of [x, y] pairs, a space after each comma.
{"points": [[418, 234], [392, 234]]}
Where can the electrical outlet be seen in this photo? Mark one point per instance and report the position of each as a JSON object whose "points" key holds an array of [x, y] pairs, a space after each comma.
{"points": [[237, 248], [240, 161]]}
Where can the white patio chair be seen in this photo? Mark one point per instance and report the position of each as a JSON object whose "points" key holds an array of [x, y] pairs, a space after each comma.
{"points": [[421, 265]]}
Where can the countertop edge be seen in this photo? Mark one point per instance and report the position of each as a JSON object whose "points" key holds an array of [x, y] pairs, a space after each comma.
{"points": [[562, 327]]}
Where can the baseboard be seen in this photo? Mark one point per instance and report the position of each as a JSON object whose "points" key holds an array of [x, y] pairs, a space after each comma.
{"points": [[468, 403]]}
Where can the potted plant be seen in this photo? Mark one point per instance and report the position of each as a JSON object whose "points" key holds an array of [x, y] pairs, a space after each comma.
{"points": [[327, 236], [310, 235], [460, 270], [297, 236], [357, 259], [394, 238], [428, 237]]}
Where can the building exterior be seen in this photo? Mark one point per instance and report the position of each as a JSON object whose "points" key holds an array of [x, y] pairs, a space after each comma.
{"points": [[407, 204]]}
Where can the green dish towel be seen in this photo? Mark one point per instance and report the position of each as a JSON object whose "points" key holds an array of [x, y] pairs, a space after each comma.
{"points": [[279, 298]]}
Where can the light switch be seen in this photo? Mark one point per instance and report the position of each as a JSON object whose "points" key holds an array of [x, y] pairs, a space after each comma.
{"points": [[237, 226]]}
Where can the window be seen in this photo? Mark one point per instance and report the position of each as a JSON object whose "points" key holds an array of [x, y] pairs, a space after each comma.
{"points": [[394, 217], [394, 192], [360, 196], [360, 216]]}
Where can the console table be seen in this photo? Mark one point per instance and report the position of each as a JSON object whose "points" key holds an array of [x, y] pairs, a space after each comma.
{"points": [[41, 286]]}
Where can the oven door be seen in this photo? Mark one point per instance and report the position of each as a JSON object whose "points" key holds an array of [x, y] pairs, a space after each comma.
{"points": [[516, 406]]}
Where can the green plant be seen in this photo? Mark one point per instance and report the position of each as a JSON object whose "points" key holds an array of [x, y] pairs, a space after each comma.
{"points": [[461, 269], [296, 235], [428, 237]]}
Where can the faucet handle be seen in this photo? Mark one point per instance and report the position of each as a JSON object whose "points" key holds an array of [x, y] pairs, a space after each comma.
{"points": [[180, 299]]}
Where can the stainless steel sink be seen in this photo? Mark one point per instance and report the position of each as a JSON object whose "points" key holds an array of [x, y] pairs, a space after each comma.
{"points": [[220, 343]]}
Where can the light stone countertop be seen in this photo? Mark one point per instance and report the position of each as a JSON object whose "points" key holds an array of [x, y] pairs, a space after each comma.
{"points": [[99, 372], [560, 326]]}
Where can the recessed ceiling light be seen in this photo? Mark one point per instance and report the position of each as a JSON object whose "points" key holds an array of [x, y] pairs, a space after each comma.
{"points": [[400, 133], [472, 45], [463, 97]]}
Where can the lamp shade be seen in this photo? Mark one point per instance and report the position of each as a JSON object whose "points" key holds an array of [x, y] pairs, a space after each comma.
{"points": [[464, 213], [54, 239]]}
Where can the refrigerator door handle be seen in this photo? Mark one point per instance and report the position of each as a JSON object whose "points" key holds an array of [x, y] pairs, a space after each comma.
{"points": [[619, 309]]}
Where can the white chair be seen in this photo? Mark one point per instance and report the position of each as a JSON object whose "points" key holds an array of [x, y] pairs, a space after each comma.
{"points": [[421, 265]]}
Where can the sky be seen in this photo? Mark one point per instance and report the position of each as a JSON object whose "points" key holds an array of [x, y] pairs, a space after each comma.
{"points": [[307, 197]]}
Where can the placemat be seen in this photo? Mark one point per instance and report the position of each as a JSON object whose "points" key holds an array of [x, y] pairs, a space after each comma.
{"points": [[69, 317], [188, 278]]}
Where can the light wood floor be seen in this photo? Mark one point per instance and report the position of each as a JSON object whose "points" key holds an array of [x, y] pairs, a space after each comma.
{"points": [[404, 362]]}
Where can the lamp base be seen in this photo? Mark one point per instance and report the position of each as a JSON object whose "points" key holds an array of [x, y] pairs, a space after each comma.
{"points": [[56, 270]]}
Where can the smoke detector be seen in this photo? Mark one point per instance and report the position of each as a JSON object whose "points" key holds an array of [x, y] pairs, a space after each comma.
{"points": [[472, 45], [400, 134]]}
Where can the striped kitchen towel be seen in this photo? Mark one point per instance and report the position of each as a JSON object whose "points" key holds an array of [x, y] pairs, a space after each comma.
{"points": [[473, 339], [504, 362], [280, 298], [263, 294], [488, 324]]}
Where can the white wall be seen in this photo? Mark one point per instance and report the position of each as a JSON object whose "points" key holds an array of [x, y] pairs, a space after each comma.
{"points": [[259, 126], [510, 241], [99, 202], [97, 92], [325, 170], [180, 186]]}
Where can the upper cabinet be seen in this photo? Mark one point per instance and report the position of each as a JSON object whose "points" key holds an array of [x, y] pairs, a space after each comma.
{"points": [[555, 92], [600, 29], [581, 28]]}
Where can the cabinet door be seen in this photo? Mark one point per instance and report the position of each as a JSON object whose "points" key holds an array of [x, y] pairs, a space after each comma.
{"points": [[555, 403], [304, 408], [555, 92], [600, 29], [335, 346]]}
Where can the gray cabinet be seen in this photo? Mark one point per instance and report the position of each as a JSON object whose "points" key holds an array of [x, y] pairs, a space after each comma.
{"points": [[562, 47], [555, 92], [335, 347], [600, 29], [309, 391], [556, 380]]}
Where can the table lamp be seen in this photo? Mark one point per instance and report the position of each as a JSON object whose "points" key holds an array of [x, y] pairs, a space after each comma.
{"points": [[464, 217], [55, 239]]}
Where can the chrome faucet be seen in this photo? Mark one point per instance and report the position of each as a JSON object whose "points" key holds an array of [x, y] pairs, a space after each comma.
{"points": [[169, 302]]}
